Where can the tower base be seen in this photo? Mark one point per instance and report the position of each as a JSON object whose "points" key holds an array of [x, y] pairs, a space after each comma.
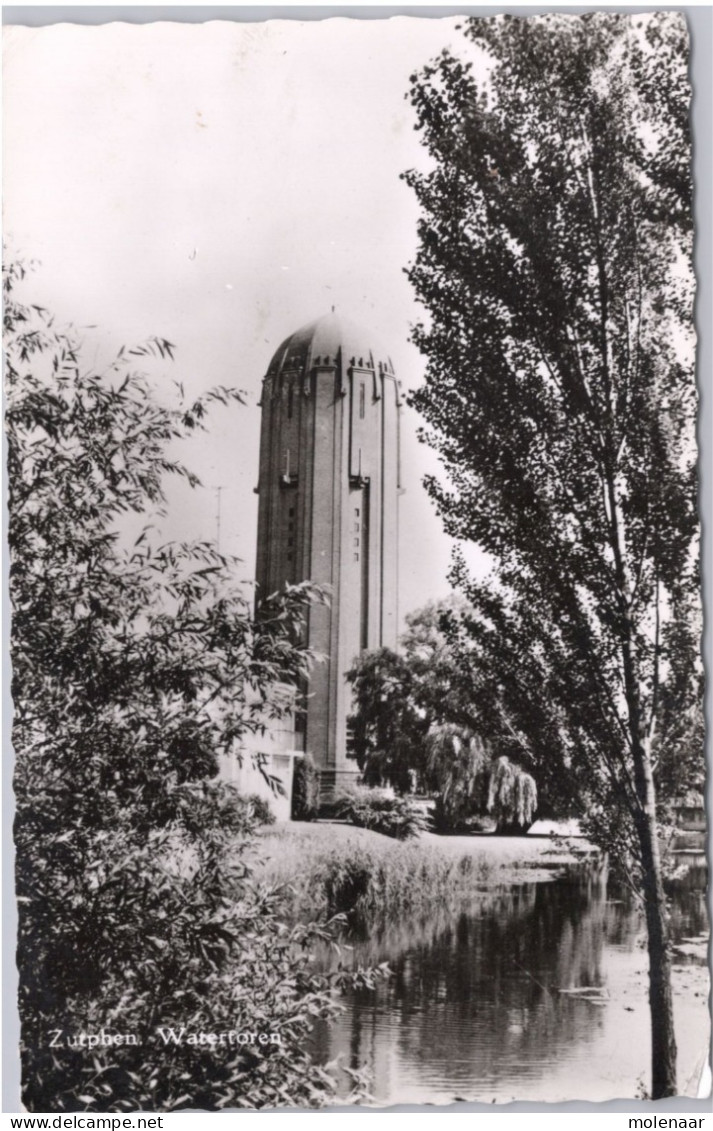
{"points": [[333, 782]]}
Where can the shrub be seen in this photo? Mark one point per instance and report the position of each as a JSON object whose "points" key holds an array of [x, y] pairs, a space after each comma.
{"points": [[261, 811], [246, 810], [305, 789], [208, 963], [377, 810], [347, 883], [134, 671]]}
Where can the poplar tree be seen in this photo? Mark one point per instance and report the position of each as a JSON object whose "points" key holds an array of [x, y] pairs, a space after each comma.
{"points": [[554, 264]]}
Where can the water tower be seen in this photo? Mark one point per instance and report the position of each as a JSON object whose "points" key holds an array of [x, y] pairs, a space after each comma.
{"points": [[328, 489]]}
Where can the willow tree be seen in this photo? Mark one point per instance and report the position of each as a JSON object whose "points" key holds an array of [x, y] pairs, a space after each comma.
{"points": [[554, 266]]}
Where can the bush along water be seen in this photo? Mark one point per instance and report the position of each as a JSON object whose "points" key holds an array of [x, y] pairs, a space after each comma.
{"points": [[212, 1007], [404, 880], [378, 810], [135, 671], [361, 877]]}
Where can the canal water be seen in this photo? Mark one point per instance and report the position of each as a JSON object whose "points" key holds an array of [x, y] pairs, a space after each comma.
{"points": [[537, 992]]}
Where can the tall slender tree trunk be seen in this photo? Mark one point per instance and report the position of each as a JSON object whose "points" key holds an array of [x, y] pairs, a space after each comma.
{"points": [[663, 1039]]}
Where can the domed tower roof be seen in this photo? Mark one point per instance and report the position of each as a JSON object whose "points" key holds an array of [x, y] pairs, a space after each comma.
{"points": [[331, 340]]}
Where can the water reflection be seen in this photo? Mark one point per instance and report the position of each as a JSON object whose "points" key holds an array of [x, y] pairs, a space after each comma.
{"points": [[686, 892], [477, 1006]]}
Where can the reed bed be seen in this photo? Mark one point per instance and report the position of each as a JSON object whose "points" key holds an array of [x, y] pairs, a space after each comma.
{"points": [[328, 869]]}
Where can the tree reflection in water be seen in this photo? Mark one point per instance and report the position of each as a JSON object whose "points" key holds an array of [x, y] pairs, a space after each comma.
{"points": [[474, 1006]]}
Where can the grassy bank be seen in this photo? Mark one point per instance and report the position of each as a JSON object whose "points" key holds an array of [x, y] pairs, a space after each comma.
{"points": [[332, 868]]}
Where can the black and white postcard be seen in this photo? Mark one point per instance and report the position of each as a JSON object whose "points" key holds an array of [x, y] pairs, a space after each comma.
{"points": [[351, 406]]}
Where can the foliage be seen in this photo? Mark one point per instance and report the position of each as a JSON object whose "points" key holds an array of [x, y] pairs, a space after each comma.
{"points": [[447, 684], [398, 697], [554, 265], [458, 762], [246, 810], [134, 671], [387, 725], [420, 716], [214, 965], [351, 870], [471, 783], [305, 789], [377, 810], [517, 279], [512, 797], [472, 696], [261, 811]]}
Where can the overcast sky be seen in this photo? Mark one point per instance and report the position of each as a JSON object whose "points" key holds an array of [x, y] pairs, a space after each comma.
{"points": [[220, 185]]}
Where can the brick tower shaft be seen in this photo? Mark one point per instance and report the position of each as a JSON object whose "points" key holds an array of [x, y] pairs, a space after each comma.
{"points": [[328, 510]]}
